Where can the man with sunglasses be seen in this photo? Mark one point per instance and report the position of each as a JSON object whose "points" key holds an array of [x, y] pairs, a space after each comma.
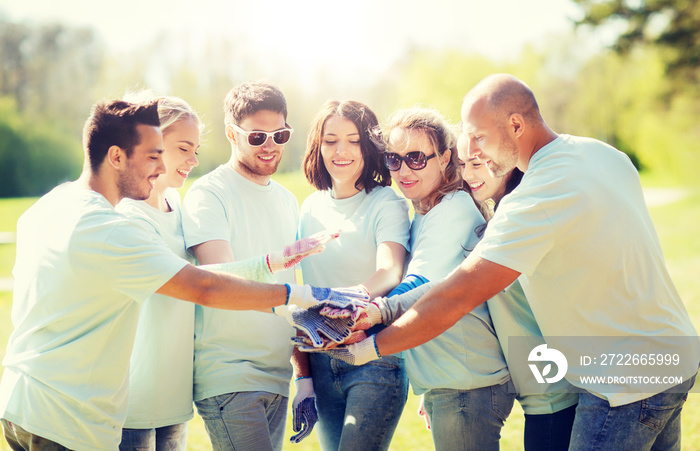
{"points": [[242, 361]]}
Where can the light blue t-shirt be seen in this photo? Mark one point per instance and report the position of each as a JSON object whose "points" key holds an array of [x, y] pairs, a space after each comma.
{"points": [[512, 317], [160, 374], [239, 351], [467, 355], [81, 271], [364, 220], [579, 232]]}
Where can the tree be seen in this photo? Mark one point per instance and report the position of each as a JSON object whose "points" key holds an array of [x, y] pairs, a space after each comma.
{"points": [[673, 25]]}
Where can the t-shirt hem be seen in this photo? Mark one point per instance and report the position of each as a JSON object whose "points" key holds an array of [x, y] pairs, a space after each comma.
{"points": [[158, 423], [50, 435]]}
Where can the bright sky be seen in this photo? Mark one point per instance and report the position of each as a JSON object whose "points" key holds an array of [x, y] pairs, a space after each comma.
{"points": [[331, 34]]}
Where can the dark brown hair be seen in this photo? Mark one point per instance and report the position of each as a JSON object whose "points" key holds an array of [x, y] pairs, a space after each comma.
{"points": [[250, 97], [113, 123], [371, 145]]}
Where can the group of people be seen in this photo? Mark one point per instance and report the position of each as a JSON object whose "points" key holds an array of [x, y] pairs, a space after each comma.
{"points": [[516, 232]]}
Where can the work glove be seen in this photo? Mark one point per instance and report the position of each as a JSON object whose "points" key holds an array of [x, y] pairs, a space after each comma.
{"points": [[354, 354], [304, 415], [305, 296], [298, 250], [354, 337], [314, 325]]}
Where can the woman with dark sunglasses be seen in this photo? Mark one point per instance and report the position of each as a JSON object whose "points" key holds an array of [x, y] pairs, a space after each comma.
{"points": [[462, 375], [359, 407]]}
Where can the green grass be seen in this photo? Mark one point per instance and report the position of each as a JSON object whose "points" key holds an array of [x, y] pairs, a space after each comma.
{"points": [[677, 227]]}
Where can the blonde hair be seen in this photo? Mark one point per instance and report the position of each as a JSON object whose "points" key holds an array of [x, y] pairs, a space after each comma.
{"points": [[171, 109], [442, 137]]}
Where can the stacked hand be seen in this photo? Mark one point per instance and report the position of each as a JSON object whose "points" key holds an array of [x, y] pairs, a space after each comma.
{"points": [[303, 311], [297, 251], [356, 348]]}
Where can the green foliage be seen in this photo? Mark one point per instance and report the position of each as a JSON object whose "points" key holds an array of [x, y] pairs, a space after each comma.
{"points": [[670, 24], [34, 157]]}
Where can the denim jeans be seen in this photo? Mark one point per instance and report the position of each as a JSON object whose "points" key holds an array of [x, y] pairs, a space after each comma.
{"points": [[21, 440], [166, 438], [241, 421], [549, 432], [359, 407], [653, 423], [468, 419]]}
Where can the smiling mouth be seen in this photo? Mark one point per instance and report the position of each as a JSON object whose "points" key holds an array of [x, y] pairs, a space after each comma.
{"points": [[266, 158], [408, 184], [476, 186], [182, 173], [342, 162]]}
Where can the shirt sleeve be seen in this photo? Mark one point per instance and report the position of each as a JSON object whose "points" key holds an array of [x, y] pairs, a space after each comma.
{"points": [[392, 221], [135, 262], [204, 217], [519, 236], [447, 235]]}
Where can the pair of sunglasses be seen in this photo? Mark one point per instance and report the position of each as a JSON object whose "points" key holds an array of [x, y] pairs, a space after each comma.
{"points": [[258, 138], [415, 160]]}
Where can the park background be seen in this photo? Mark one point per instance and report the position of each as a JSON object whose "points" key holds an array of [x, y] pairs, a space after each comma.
{"points": [[625, 72]]}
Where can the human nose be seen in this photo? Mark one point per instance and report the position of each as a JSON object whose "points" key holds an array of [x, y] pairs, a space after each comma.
{"points": [[404, 169], [193, 161], [160, 167], [472, 149], [269, 143]]}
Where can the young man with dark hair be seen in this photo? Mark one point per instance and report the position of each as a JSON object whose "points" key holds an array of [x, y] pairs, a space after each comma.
{"points": [[81, 272], [242, 359]]}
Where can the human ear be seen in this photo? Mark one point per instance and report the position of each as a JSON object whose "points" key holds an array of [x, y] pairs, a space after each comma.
{"points": [[445, 158], [516, 123], [116, 156], [231, 134]]}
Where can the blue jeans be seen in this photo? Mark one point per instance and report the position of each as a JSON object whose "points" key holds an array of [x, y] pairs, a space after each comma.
{"points": [[549, 432], [21, 440], [653, 423], [166, 438], [468, 419], [359, 407], [243, 421]]}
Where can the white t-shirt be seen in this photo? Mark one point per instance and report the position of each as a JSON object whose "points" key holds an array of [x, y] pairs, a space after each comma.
{"points": [[364, 220], [160, 374], [81, 271], [578, 230], [239, 351], [467, 355]]}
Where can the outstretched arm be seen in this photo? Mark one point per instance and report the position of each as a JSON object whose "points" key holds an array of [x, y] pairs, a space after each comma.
{"points": [[475, 281]]}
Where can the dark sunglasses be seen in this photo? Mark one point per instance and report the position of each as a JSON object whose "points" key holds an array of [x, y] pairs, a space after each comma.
{"points": [[415, 160], [258, 138]]}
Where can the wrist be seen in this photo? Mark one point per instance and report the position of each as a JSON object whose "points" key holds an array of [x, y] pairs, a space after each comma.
{"points": [[374, 313], [301, 296]]}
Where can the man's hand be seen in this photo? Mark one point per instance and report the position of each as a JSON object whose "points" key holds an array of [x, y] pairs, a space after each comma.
{"points": [[297, 251], [354, 354], [304, 415]]}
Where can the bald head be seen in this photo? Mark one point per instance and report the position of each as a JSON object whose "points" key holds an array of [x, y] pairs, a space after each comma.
{"points": [[500, 95]]}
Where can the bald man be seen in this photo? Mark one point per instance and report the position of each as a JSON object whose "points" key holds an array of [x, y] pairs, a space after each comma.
{"points": [[577, 234]]}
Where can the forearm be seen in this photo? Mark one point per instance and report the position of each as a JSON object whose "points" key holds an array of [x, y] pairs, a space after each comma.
{"points": [[301, 366], [472, 283], [254, 268], [392, 308], [225, 291]]}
